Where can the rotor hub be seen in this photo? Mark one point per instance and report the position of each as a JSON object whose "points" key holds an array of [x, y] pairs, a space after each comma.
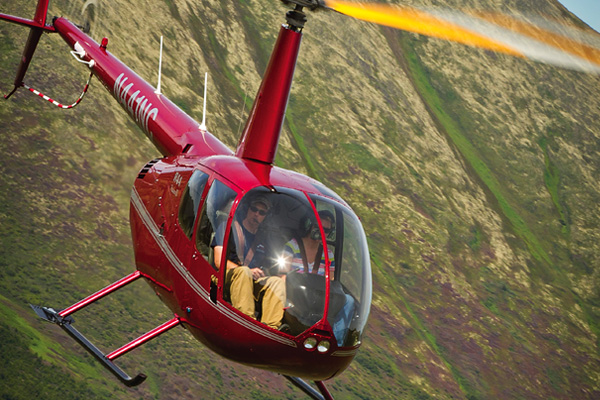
{"points": [[296, 18], [310, 4]]}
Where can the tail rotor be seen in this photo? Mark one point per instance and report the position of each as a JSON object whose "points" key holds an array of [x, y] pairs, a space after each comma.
{"points": [[89, 11]]}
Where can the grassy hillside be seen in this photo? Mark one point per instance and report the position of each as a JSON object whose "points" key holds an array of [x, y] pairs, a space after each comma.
{"points": [[475, 175]]}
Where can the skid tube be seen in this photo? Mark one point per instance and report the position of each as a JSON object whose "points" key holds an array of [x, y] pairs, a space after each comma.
{"points": [[65, 320], [309, 390]]}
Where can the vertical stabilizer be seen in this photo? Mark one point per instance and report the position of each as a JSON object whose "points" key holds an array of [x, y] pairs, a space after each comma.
{"points": [[38, 26]]}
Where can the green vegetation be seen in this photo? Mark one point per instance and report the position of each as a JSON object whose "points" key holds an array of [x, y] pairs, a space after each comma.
{"points": [[35, 378], [470, 154], [302, 150], [40, 362], [552, 180]]}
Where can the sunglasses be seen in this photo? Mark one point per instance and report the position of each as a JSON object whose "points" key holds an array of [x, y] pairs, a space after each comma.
{"points": [[260, 211], [316, 234]]}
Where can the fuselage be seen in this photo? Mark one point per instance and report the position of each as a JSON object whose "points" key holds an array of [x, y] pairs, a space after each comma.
{"points": [[164, 252]]}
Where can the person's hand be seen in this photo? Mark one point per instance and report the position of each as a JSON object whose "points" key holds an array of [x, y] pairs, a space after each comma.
{"points": [[257, 273]]}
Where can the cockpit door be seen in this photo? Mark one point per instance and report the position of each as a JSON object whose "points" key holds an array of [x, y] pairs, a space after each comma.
{"points": [[180, 237], [210, 234]]}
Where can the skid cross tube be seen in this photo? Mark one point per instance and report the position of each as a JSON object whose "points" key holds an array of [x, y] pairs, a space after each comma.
{"points": [[65, 320], [144, 338], [100, 294]]}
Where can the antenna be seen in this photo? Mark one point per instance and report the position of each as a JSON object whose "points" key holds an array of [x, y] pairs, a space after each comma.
{"points": [[157, 91], [203, 124]]}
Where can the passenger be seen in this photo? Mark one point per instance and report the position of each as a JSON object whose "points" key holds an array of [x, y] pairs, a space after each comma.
{"points": [[308, 253], [245, 279]]}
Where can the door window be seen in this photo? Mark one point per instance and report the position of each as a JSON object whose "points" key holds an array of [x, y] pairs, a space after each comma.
{"points": [[190, 201], [213, 219]]}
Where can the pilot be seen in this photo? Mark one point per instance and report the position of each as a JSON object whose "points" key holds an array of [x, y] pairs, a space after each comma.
{"points": [[245, 279]]}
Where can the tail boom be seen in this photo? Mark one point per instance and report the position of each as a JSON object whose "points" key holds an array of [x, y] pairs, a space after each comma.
{"points": [[170, 129]]}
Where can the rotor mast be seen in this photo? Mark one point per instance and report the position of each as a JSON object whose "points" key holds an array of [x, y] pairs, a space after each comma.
{"points": [[260, 137]]}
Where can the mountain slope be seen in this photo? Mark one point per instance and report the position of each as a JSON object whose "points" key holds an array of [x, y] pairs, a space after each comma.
{"points": [[475, 176]]}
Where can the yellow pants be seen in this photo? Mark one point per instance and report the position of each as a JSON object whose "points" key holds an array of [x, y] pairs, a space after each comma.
{"points": [[245, 291]]}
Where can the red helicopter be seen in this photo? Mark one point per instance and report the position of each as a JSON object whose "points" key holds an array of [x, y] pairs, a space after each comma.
{"points": [[188, 207], [264, 266]]}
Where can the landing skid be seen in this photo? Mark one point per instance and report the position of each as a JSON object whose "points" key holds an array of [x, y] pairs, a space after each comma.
{"points": [[309, 390], [65, 320], [51, 315]]}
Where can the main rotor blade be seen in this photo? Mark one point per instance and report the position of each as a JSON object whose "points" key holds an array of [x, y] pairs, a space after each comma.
{"points": [[500, 33], [563, 38], [417, 21]]}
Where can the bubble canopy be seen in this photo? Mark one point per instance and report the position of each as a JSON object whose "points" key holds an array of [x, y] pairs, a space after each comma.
{"points": [[314, 244]]}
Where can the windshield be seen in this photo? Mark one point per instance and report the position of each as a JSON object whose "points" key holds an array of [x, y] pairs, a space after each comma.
{"points": [[297, 249]]}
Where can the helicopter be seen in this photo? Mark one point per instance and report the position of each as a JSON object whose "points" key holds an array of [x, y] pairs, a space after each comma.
{"points": [[189, 200]]}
